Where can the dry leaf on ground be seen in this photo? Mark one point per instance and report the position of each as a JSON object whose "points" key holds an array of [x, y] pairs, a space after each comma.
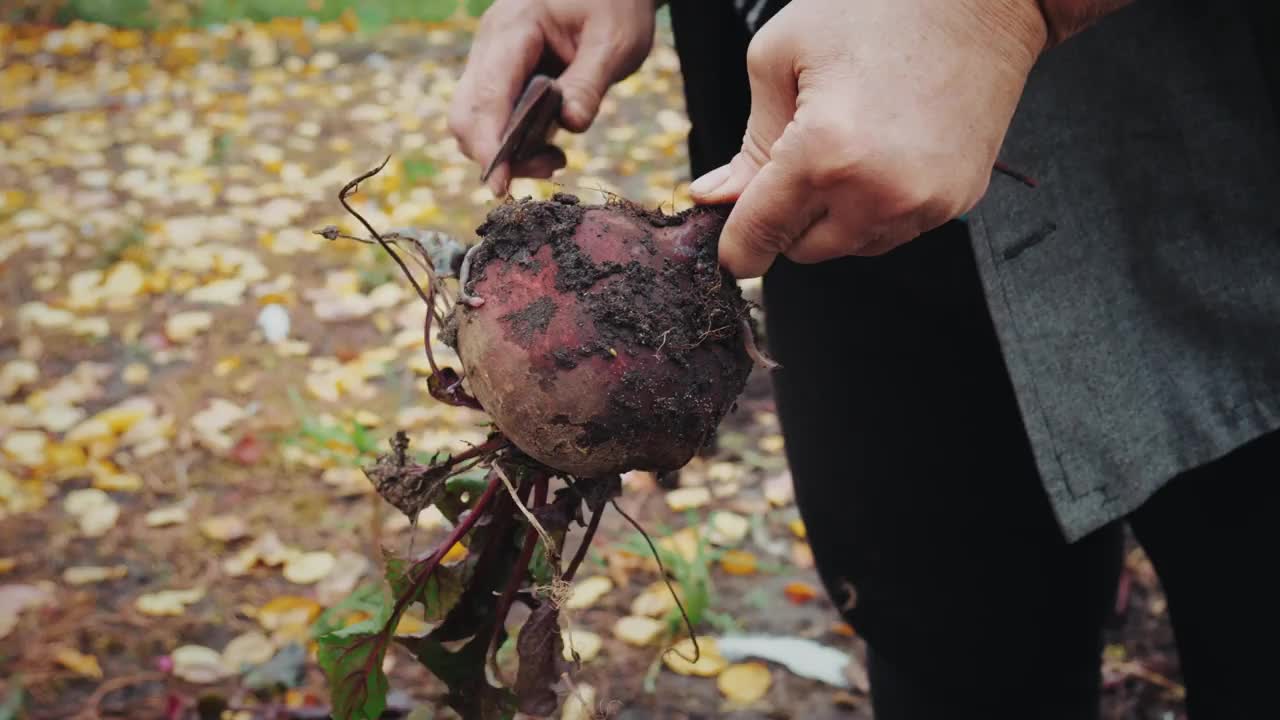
{"points": [[224, 528], [245, 650], [78, 662], [746, 682], [738, 562], [797, 528], [168, 602], [800, 592], [727, 529], [656, 600], [197, 664], [580, 704], [89, 574], [309, 567], [638, 631], [588, 592], [95, 511], [169, 515], [679, 658], [584, 642], [16, 598], [688, 498], [288, 611]]}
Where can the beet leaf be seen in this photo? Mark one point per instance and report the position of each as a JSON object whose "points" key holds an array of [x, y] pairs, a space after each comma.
{"points": [[352, 660], [539, 648]]}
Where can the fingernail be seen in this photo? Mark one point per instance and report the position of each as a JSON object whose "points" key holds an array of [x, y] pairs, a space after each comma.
{"points": [[577, 112], [709, 182]]}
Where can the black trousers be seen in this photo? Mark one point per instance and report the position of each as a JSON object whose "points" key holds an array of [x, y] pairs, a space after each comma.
{"points": [[929, 525]]}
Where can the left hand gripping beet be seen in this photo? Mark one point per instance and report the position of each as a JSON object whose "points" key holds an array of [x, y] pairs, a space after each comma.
{"points": [[602, 338]]}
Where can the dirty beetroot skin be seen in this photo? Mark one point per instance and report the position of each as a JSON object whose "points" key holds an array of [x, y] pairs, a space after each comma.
{"points": [[609, 339]]}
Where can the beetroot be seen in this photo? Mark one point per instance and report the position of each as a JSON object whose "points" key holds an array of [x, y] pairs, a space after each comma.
{"points": [[601, 338]]}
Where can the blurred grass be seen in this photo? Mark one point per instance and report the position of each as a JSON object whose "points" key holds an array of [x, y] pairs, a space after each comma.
{"points": [[147, 14]]}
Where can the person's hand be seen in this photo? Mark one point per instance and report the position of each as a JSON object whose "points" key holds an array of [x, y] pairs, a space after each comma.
{"points": [[871, 122], [599, 43]]}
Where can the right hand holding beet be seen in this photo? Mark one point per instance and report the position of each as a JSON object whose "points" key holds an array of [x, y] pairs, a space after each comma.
{"points": [[599, 43], [869, 128]]}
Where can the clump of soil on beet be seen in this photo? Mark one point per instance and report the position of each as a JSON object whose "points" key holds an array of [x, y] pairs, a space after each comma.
{"points": [[602, 338]]}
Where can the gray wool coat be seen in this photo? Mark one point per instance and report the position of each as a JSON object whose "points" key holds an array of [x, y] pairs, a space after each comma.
{"points": [[1136, 288]]}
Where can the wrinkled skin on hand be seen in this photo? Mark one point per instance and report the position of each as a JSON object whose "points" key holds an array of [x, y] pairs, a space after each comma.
{"points": [[868, 128], [599, 43]]}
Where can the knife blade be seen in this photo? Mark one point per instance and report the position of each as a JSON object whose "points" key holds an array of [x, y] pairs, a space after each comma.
{"points": [[531, 125]]}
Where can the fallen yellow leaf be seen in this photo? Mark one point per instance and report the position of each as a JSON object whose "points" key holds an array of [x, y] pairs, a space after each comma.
{"points": [[772, 444], [124, 39], [725, 472], [78, 662], [168, 602], [655, 601], [89, 574], [197, 664], [798, 529], [779, 491], [727, 529], [183, 327], [456, 554], [801, 555], [638, 631], [588, 592], [62, 456], [226, 365], [410, 626], [580, 704], [224, 528], [247, 649], [17, 374], [108, 477], [745, 682], [90, 431], [95, 510], [267, 549], [165, 516], [684, 543], [295, 698], [688, 498], [310, 567], [135, 373], [710, 662], [288, 610], [120, 418], [26, 447], [584, 642], [738, 562]]}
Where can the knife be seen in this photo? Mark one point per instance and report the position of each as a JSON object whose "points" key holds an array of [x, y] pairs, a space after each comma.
{"points": [[531, 125]]}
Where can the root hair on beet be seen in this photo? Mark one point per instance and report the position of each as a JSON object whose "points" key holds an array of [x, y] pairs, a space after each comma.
{"points": [[464, 275], [757, 355]]}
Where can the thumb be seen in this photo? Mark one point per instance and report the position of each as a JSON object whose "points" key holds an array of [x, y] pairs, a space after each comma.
{"points": [[773, 105], [583, 84], [775, 209]]}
